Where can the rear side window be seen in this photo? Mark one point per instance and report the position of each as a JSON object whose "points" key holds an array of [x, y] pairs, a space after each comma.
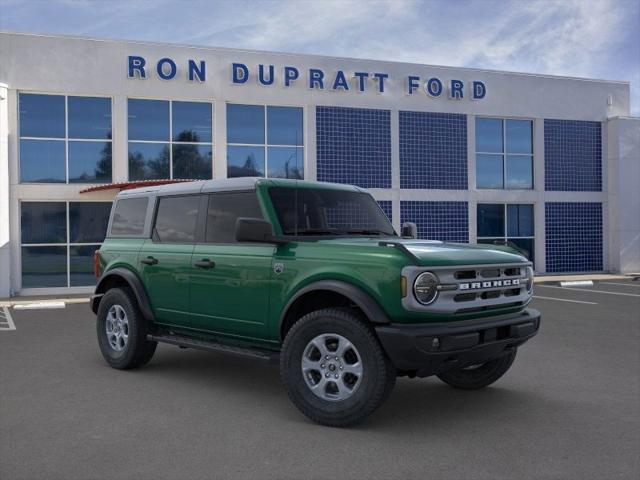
{"points": [[224, 210], [128, 217], [176, 219]]}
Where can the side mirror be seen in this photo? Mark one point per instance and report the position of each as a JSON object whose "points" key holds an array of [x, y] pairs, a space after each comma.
{"points": [[409, 230], [253, 230]]}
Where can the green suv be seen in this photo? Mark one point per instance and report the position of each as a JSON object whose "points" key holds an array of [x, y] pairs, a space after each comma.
{"points": [[310, 275]]}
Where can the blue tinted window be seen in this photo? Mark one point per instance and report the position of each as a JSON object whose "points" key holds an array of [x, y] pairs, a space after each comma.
{"points": [[148, 120], [44, 267], [192, 161], [41, 115], [490, 220], [245, 161], [88, 221], [284, 126], [42, 161], [519, 136], [81, 265], [89, 162], [520, 220], [43, 222], [489, 135], [89, 117], [519, 171], [489, 171], [526, 246], [148, 161], [191, 122], [286, 162], [245, 124]]}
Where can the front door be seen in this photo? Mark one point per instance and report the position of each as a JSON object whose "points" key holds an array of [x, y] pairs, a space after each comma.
{"points": [[165, 259], [230, 280]]}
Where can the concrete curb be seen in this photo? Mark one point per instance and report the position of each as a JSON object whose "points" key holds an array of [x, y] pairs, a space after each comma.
{"points": [[13, 302]]}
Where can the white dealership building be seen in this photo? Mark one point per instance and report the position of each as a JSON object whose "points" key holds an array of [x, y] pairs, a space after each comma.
{"points": [[549, 163]]}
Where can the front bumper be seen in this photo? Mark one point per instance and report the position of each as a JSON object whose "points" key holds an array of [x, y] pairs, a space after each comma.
{"points": [[429, 349]]}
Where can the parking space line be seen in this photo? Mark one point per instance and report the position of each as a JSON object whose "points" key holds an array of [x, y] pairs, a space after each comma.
{"points": [[565, 300], [590, 290], [6, 322], [623, 284]]}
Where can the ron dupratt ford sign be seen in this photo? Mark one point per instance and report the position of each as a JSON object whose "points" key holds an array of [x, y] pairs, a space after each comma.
{"points": [[313, 78]]}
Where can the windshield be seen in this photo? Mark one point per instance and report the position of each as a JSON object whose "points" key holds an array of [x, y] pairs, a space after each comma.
{"points": [[328, 212]]}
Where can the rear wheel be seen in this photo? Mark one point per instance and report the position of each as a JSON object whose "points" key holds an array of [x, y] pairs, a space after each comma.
{"points": [[122, 330], [334, 368], [478, 376]]}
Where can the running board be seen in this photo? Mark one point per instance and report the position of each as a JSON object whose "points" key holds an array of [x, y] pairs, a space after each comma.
{"points": [[211, 346]]}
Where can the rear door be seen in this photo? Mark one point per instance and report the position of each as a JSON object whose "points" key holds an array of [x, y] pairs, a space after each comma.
{"points": [[230, 280], [165, 259]]}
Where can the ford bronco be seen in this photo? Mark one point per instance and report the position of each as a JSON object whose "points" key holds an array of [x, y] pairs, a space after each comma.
{"points": [[313, 276]]}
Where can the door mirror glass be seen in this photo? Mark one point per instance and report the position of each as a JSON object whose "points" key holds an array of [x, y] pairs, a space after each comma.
{"points": [[253, 230], [409, 230]]}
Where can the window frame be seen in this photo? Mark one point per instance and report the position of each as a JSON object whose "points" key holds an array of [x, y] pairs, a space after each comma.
{"points": [[66, 139], [506, 235], [504, 154], [266, 145], [170, 142], [67, 244]]}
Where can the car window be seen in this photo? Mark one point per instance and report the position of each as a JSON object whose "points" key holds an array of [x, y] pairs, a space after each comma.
{"points": [[176, 219], [224, 210], [128, 216]]}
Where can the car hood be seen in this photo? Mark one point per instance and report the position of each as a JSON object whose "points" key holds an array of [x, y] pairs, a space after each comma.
{"points": [[435, 253]]}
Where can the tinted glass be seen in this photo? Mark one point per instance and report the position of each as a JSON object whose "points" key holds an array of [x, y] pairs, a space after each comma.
{"points": [[43, 222], [88, 221], [286, 162], [284, 126], [489, 171], [191, 122], [41, 115], [328, 212], [44, 267], [245, 124], [192, 161], [81, 265], [520, 220], [224, 210], [519, 133], [519, 171], [525, 244], [89, 162], [148, 120], [89, 117], [148, 161], [128, 217], [176, 219], [245, 161], [490, 220], [42, 161], [489, 135]]}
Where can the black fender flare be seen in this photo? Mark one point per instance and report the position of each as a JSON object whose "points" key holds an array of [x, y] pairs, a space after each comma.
{"points": [[133, 281], [363, 300]]}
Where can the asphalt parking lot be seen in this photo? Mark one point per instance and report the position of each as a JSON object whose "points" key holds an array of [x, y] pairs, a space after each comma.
{"points": [[568, 408]]}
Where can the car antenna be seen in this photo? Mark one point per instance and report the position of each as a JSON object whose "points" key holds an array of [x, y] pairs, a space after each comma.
{"points": [[295, 190]]}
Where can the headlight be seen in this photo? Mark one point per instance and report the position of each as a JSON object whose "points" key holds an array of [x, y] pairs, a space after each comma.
{"points": [[529, 279], [425, 288]]}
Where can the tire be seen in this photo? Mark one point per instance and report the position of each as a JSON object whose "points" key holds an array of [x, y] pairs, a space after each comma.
{"points": [[120, 352], [354, 396], [476, 377]]}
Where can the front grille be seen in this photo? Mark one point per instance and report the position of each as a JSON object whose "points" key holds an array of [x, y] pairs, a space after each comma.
{"points": [[473, 288]]}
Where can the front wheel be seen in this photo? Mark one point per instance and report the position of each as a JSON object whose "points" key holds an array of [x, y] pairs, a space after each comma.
{"points": [[334, 369], [478, 376]]}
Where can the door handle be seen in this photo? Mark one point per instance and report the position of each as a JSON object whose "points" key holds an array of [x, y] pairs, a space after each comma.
{"points": [[205, 263], [149, 260]]}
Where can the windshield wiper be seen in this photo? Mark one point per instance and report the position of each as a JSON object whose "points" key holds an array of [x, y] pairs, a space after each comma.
{"points": [[316, 231], [368, 231]]}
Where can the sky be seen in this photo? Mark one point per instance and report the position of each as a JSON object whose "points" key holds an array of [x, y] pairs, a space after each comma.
{"points": [[579, 38]]}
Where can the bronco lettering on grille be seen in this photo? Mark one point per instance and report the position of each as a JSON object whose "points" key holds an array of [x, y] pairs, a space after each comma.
{"points": [[489, 284]]}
